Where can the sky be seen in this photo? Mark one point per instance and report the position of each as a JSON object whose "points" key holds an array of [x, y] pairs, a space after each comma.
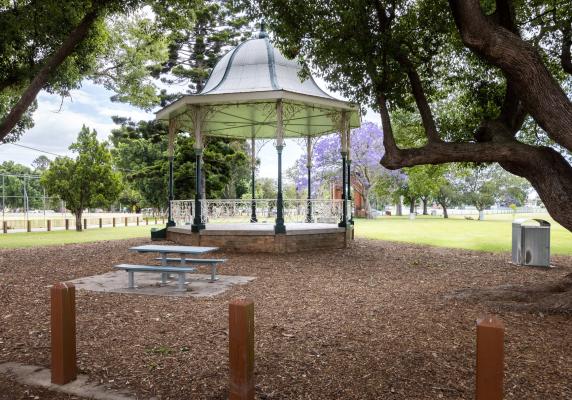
{"points": [[57, 123]]}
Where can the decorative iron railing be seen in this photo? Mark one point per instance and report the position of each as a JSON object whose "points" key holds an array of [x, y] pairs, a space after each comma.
{"points": [[237, 210]]}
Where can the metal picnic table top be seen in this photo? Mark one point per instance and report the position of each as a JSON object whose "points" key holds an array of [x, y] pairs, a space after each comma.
{"points": [[151, 248]]}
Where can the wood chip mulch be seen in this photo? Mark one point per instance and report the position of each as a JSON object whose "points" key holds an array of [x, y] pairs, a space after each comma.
{"points": [[375, 321]]}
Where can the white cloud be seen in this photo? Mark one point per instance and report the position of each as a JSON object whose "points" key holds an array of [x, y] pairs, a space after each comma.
{"points": [[57, 124]]}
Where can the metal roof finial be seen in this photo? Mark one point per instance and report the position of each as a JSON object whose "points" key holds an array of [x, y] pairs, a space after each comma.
{"points": [[262, 33]]}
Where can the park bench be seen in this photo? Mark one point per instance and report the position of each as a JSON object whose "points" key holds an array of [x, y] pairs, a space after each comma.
{"points": [[183, 262], [181, 271]]}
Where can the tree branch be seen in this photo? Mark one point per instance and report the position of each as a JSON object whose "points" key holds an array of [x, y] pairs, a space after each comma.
{"points": [[441, 153], [388, 138], [54, 61], [420, 99], [542, 96]]}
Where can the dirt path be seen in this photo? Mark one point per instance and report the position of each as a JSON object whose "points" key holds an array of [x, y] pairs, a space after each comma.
{"points": [[372, 322]]}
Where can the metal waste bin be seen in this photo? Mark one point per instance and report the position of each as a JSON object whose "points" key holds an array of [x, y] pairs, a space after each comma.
{"points": [[531, 243]]}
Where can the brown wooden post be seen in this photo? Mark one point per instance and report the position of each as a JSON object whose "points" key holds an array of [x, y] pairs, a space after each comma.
{"points": [[67, 224], [29, 226], [64, 368], [114, 222], [125, 221], [137, 221], [101, 223], [85, 223], [5, 226], [49, 225], [241, 349], [490, 358]]}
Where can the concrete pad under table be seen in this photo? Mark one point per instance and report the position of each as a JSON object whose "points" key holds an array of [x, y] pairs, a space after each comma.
{"points": [[147, 284]]}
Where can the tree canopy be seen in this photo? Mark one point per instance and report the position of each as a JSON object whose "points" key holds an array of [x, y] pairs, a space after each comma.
{"points": [[87, 181], [488, 80]]}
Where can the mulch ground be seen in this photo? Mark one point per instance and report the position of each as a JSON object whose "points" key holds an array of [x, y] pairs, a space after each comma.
{"points": [[372, 322]]}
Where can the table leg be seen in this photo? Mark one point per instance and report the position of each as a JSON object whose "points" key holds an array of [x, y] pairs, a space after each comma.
{"points": [[214, 278], [182, 282], [131, 279], [164, 275]]}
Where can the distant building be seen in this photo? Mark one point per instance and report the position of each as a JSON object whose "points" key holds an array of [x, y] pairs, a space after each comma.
{"points": [[357, 198]]}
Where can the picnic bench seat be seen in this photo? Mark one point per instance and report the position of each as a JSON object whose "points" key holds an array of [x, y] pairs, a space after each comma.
{"points": [[213, 262], [164, 270]]}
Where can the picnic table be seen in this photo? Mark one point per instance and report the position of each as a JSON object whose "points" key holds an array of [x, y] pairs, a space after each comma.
{"points": [[183, 262]]}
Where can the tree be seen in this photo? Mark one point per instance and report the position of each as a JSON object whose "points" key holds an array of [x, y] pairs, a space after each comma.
{"points": [[22, 189], [87, 181], [265, 188], [423, 183], [386, 189], [47, 45], [41, 163], [140, 149], [450, 190], [480, 189], [178, 46], [484, 77]]}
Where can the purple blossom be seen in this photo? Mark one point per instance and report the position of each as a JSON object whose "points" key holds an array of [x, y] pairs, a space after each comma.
{"points": [[366, 151]]}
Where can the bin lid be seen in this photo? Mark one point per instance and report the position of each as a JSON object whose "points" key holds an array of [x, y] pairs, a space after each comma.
{"points": [[523, 221]]}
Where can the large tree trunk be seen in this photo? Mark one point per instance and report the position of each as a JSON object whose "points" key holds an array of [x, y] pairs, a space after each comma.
{"points": [[66, 49], [424, 200], [78, 226], [399, 208], [551, 176]]}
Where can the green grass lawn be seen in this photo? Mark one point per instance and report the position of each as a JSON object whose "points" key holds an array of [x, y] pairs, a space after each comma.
{"points": [[36, 239], [493, 234]]}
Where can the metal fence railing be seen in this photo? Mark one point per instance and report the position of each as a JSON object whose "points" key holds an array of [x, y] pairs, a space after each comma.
{"points": [[239, 210]]}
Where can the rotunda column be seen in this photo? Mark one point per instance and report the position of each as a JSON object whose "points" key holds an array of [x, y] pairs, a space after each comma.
{"points": [[309, 218], [344, 152], [349, 162], [171, 154], [253, 166], [197, 120], [279, 227]]}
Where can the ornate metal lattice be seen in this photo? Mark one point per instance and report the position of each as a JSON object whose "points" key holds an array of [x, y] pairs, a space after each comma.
{"points": [[239, 211]]}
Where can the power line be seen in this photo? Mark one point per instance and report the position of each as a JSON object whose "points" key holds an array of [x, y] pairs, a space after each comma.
{"points": [[35, 149], [58, 155]]}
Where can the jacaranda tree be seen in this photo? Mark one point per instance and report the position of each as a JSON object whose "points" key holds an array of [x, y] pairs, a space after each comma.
{"points": [[366, 150]]}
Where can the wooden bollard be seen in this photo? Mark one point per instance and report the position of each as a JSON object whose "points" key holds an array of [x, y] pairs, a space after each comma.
{"points": [[114, 222], [241, 349], [49, 225], [67, 224], [85, 223], [64, 368], [29, 226], [125, 221], [490, 358], [137, 221], [5, 226], [101, 223]]}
